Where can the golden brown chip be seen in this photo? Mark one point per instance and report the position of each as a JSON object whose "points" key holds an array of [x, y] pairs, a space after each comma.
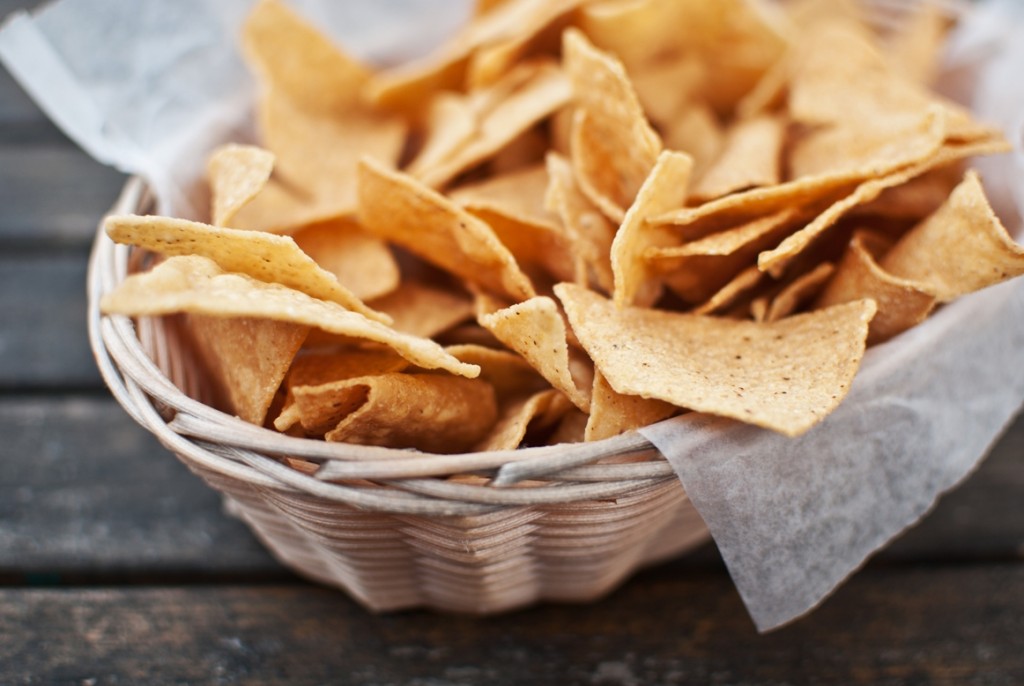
{"points": [[423, 310], [749, 158], [278, 208], [667, 87], [535, 90], [402, 210], [248, 357], [665, 188], [430, 412], [799, 291], [513, 206], [515, 419], [739, 286], [508, 372], [197, 285], [916, 50], [785, 376], [612, 413], [836, 55], [831, 168], [613, 147], [319, 367], [736, 40], [236, 174], [320, 153], [361, 262], [901, 303], [698, 269], [696, 132], [263, 256], [589, 231], [961, 248], [406, 87], [776, 260], [535, 329], [293, 57]]}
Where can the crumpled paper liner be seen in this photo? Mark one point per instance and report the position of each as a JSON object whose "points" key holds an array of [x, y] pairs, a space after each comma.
{"points": [[151, 86]]}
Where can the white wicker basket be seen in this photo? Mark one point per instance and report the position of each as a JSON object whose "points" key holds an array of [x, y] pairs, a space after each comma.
{"points": [[559, 523]]}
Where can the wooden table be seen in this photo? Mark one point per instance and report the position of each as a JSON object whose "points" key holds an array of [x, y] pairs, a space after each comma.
{"points": [[117, 566]]}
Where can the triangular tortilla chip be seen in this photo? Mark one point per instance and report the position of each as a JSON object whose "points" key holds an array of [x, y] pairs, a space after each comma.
{"points": [[535, 329], [249, 357], [612, 413], [197, 285], [263, 256], [400, 209], [236, 174], [960, 249], [785, 376]]}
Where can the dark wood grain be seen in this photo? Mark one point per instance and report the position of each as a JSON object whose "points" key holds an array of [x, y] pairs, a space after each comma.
{"points": [[947, 626], [43, 340], [53, 197], [85, 492]]}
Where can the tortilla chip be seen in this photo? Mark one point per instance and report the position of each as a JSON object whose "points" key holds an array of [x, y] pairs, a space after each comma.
{"points": [[236, 174], [901, 303], [319, 367], [797, 292], [589, 231], [785, 376], [776, 260], [320, 154], [402, 210], [278, 208], [535, 329], [361, 262], [513, 206], [961, 248], [667, 87], [535, 91], [292, 56], [916, 50], [612, 413], [749, 158], [424, 310], [697, 269], [613, 147], [538, 412], [197, 285], [263, 256], [737, 40], [665, 188], [570, 429], [696, 132], [248, 357], [508, 372], [430, 412], [405, 88], [736, 288]]}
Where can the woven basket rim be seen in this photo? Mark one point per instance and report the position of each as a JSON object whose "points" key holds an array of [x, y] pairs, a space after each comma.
{"points": [[404, 479]]}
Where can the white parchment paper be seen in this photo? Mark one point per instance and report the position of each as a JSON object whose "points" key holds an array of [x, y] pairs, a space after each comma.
{"points": [[150, 86]]}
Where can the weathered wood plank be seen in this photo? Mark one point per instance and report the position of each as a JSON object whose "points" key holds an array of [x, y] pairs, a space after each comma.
{"points": [[43, 340], [85, 492], [53, 196], [961, 625]]}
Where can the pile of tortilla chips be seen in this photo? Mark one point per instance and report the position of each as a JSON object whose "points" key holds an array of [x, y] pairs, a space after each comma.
{"points": [[575, 219]]}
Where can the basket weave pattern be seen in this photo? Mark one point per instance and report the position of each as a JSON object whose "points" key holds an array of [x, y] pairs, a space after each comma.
{"points": [[397, 529]]}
